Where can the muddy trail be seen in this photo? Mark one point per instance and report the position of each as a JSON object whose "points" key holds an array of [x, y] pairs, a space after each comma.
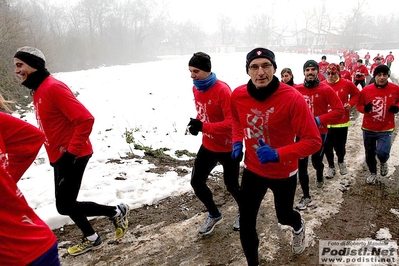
{"points": [[166, 233]]}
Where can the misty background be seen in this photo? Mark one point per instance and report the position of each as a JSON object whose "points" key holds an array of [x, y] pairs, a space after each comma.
{"points": [[84, 34]]}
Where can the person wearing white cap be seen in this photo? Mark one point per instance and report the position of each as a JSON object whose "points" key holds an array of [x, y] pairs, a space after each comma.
{"points": [[67, 125]]}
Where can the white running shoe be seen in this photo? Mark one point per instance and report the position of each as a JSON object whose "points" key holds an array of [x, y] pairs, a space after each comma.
{"points": [[371, 179], [330, 172], [342, 168], [303, 203], [210, 224], [298, 240]]}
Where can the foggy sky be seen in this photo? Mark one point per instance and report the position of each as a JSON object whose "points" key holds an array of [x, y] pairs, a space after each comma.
{"points": [[286, 13]]}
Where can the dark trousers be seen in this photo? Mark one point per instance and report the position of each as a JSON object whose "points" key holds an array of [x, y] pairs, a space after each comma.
{"points": [[361, 82], [49, 258], [376, 144], [253, 190], [204, 163], [317, 163], [336, 141], [67, 181]]}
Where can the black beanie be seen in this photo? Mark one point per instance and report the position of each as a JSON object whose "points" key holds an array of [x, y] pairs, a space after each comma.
{"points": [[201, 61], [31, 56], [261, 53], [381, 69], [311, 63]]}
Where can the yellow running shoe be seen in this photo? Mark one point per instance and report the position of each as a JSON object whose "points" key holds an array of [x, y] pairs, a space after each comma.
{"points": [[84, 246], [121, 221]]}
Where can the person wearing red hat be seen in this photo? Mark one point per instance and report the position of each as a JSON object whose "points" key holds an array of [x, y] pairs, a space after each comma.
{"points": [[379, 102], [67, 125], [212, 103], [338, 132], [25, 239], [327, 109], [267, 115]]}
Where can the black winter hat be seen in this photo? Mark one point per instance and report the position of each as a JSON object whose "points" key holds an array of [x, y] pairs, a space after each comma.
{"points": [[310, 63], [201, 61], [381, 69], [261, 53], [31, 56]]}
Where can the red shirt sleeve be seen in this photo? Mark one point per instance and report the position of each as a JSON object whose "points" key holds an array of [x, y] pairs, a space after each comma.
{"points": [[21, 143]]}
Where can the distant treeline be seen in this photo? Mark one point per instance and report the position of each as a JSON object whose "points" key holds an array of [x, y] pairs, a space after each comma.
{"points": [[93, 33]]}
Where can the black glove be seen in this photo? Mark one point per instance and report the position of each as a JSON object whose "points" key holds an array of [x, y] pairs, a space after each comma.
{"points": [[393, 109], [194, 126], [367, 107], [66, 159]]}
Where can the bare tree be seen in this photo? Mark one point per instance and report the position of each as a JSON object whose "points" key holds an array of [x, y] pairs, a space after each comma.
{"points": [[226, 30], [11, 37], [188, 36]]}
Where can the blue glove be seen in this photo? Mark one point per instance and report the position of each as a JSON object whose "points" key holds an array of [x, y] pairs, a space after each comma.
{"points": [[265, 153], [317, 119], [237, 154]]}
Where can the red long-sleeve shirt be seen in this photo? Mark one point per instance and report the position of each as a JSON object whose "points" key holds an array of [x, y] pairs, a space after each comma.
{"points": [[345, 74], [360, 72], [379, 119], [390, 58], [66, 123], [276, 120], [214, 110], [20, 144], [320, 100], [24, 237], [347, 93], [323, 66]]}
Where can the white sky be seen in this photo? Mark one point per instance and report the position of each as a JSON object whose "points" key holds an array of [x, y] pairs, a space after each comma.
{"points": [[286, 12], [207, 12], [157, 105]]}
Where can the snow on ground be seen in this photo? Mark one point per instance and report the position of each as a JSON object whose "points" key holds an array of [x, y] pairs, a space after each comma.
{"points": [[153, 100]]}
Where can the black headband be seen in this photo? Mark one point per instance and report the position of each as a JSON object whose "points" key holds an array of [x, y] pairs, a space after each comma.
{"points": [[30, 59]]}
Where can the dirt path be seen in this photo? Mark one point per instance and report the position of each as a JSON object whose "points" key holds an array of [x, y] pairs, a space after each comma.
{"points": [[167, 233]]}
